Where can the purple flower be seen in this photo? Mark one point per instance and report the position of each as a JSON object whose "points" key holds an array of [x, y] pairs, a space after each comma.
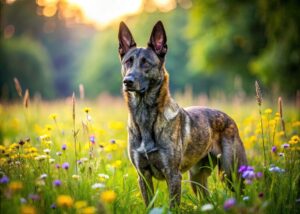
{"points": [[285, 146], [79, 162], [34, 197], [64, 147], [4, 180], [57, 183], [112, 141], [53, 206], [57, 166], [259, 174], [249, 174], [229, 203], [274, 149], [65, 165], [92, 139], [276, 169]]}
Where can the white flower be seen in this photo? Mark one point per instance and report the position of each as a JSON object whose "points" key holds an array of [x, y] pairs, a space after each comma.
{"points": [[246, 198], [51, 160], [47, 151], [105, 176], [98, 186], [207, 207], [43, 176]]}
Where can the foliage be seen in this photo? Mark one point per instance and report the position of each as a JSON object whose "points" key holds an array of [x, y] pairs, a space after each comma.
{"points": [[28, 61], [40, 172]]}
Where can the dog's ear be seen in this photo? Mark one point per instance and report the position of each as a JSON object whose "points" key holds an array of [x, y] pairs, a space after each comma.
{"points": [[126, 40], [158, 40]]}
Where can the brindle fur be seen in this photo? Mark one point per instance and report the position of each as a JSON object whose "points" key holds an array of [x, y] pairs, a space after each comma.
{"points": [[165, 140]]}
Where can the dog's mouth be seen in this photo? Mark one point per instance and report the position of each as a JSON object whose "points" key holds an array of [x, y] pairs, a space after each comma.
{"points": [[133, 89]]}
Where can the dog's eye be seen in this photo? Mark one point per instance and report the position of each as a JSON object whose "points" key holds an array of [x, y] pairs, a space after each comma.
{"points": [[129, 62], [144, 62]]}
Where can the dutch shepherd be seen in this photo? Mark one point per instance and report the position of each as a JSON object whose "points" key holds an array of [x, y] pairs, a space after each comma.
{"points": [[165, 140]]}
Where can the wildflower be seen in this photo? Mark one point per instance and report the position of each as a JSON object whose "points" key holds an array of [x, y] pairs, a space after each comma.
{"points": [[219, 155], [57, 166], [116, 164], [294, 139], [57, 183], [47, 151], [108, 196], [53, 116], [76, 177], [261, 195], [92, 139], [276, 169], [88, 210], [65, 165], [281, 154], [112, 141], [58, 153], [64, 147], [87, 110], [43, 176], [21, 142], [84, 159], [268, 111], [40, 157], [23, 200], [103, 177], [4, 180], [79, 162], [15, 185], [246, 198], [229, 203], [53, 206], [34, 197], [207, 207], [80, 204], [285, 146], [64, 201], [98, 186], [26, 209], [259, 174], [274, 149], [51, 160]]}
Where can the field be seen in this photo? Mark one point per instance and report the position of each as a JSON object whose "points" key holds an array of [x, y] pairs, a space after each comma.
{"points": [[70, 156]]}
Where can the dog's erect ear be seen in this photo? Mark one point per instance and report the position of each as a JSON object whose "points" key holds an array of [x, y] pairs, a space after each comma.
{"points": [[158, 40], [126, 40]]}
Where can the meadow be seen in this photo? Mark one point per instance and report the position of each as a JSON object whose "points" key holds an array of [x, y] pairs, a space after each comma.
{"points": [[70, 156]]}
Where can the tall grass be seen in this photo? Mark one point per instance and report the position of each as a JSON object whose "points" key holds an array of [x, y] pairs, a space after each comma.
{"points": [[71, 157]]}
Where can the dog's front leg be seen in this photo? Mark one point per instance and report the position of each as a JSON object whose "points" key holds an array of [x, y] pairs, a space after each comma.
{"points": [[146, 186], [174, 184]]}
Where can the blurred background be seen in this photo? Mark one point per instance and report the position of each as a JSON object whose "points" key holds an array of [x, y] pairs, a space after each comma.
{"points": [[215, 46]]}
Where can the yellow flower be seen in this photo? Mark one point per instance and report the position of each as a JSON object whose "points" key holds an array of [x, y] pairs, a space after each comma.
{"points": [[27, 209], [268, 111], [80, 204], [87, 110], [116, 164], [15, 185], [116, 125], [53, 116], [108, 196], [294, 139], [76, 177], [64, 201], [88, 210]]}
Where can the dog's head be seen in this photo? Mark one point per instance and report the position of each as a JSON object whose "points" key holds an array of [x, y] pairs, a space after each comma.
{"points": [[142, 67]]}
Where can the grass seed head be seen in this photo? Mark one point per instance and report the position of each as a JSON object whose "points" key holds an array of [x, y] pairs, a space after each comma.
{"points": [[258, 93], [26, 98], [18, 87]]}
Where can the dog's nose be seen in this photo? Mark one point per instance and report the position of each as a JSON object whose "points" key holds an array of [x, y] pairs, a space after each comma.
{"points": [[128, 81]]}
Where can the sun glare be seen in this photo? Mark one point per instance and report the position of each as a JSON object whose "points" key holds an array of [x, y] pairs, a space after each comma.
{"points": [[103, 12]]}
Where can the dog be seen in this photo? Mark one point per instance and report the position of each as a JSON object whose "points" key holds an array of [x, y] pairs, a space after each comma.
{"points": [[165, 140]]}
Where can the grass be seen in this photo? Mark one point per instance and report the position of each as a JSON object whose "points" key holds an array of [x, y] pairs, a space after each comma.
{"points": [[56, 159]]}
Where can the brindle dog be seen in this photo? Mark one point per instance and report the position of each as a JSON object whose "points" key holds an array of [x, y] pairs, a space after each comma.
{"points": [[166, 140]]}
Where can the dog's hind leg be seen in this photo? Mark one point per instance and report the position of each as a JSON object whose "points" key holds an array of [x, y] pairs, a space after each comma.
{"points": [[200, 173], [146, 186]]}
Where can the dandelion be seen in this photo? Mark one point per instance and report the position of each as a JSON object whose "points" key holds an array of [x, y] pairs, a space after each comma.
{"points": [[4, 180], [88, 210], [65, 165], [27, 209], [207, 207], [15, 186], [80, 204], [87, 110], [98, 186], [64, 201], [229, 203], [108, 196], [56, 183]]}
